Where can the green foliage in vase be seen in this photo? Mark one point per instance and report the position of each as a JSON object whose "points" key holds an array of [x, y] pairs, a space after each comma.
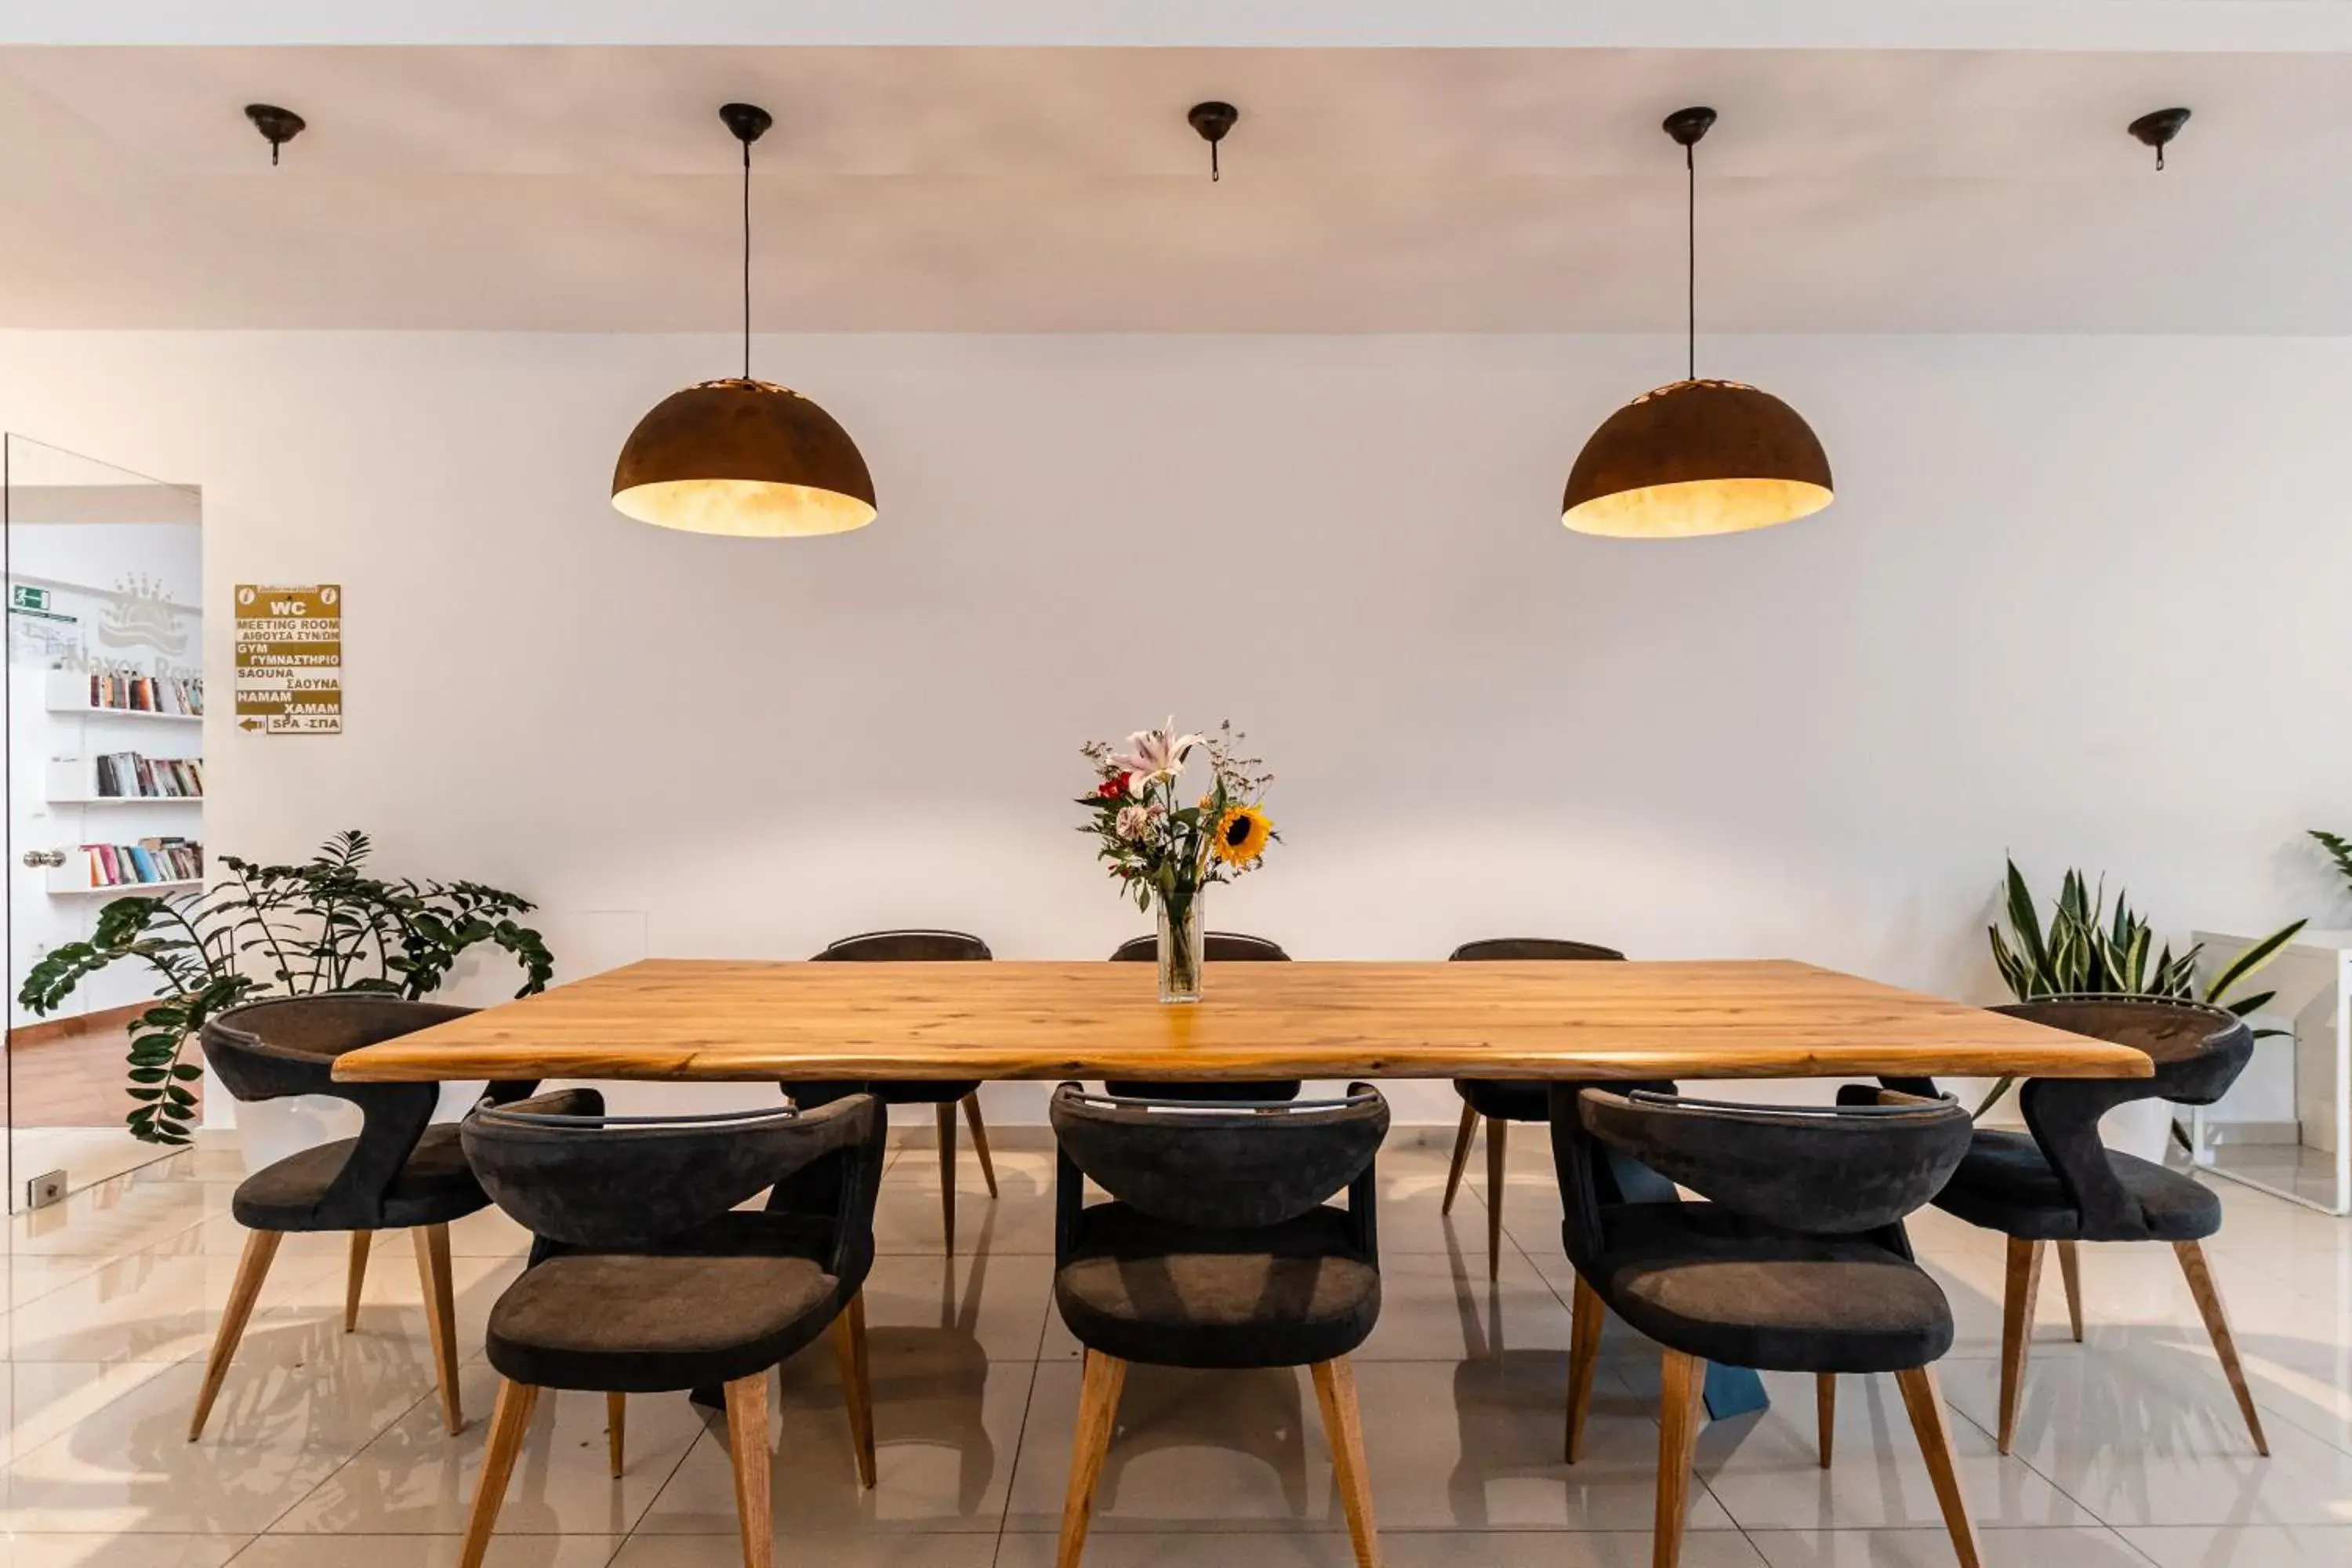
{"points": [[319, 925], [2085, 950]]}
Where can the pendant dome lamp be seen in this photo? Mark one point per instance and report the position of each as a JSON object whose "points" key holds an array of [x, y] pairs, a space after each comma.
{"points": [[1695, 457], [738, 455]]}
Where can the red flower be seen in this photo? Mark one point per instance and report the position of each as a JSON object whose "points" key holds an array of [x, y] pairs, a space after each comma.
{"points": [[1115, 787]]}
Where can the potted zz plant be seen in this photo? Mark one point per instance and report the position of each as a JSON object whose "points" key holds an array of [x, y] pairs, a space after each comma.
{"points": [[321, 925], [2085, 950]]}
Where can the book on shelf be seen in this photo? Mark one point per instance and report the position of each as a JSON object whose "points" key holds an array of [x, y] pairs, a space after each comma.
{"points": [[124, 775], [127, 692], [171, 860]]}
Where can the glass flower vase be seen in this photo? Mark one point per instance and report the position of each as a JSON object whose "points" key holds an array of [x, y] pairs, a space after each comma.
{"points": [[1180, 950]]}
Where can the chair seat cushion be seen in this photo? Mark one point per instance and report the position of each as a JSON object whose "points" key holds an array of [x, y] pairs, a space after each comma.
{"points": [[631, 1323], [1507, 1100], [1144, 1289], [2005, 1183], [434, 1187], [1701, 1279]]}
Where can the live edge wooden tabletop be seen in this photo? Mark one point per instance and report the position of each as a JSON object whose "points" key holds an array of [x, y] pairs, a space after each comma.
{"points": [[717, 1019]]}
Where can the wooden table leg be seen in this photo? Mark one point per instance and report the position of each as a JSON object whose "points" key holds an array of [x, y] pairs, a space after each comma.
{"points": [[1468, 1130]]}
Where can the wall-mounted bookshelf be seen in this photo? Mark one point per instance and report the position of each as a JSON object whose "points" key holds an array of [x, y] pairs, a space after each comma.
{"points": [[126, 778], [149, 865], [97, 695]]}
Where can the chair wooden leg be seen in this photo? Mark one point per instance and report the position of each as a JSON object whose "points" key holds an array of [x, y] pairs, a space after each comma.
{"points": [[1826, 1413], [355, 1276], [1468, 1131], [980, 1140], [616, 1427], [2068, 1274], [440, 1316], [1497, 1140], [509, 1419], [2024, 1283], [2217, 1326], [1924, 1401], [747, 1452], [1097, 1414], [1587, 1317], [252, 1268], [857, 1389], [1684, 1381], [1343, 1429], [947, 1124]]}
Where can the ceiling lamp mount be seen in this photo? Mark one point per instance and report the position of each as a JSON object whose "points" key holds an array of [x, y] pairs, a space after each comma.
{"points": [[739, 455], [277, 126], [1212, 120], [2157, 128], [1695, 457]]}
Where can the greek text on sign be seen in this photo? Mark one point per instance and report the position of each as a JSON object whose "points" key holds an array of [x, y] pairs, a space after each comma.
{"points": [[290, 659]]}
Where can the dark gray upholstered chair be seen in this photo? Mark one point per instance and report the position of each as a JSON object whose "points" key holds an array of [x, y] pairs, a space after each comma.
{"points": [[1216, 947], [402, 1172], [1501, 1101], [1219, 1248], [2057, 1182], [944, 1094], [1793, 1259], [645, 1277]]}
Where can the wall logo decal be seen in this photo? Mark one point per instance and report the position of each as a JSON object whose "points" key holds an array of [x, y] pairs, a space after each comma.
{"points": [[141, 615]]}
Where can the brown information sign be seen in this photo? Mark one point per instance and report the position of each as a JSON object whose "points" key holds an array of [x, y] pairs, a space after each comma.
{"points": [[290, 659]]}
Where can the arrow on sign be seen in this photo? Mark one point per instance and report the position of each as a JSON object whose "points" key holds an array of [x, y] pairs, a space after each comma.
{"points": [[248, 723]]}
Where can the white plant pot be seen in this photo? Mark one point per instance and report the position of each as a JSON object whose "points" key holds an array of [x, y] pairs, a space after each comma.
{"points": [[267, 1131], [2141, 1127]]}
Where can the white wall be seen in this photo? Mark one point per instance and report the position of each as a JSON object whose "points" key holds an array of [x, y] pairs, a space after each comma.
{"points": [[2080, 599]]}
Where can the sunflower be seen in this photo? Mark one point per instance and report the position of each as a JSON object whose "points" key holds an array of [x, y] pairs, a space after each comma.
{"points": [[1242, 835]]}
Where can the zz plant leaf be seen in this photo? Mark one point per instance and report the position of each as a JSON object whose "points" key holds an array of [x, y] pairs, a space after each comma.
{"points": [[322, 924]]}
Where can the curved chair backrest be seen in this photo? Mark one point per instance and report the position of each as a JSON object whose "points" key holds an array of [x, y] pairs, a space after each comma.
{"points": [[1507, 948], [1220, 1166], [2198, 1050], [1216, 947], [906, 947], [1823, 1170], [595, 1181], [266, 1050]]}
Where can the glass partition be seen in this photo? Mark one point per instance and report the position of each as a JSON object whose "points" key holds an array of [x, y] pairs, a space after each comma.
{"points": [[105, 785]]}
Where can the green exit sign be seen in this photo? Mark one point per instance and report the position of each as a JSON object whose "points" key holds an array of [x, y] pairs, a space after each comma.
{"points": [[21, 597]]}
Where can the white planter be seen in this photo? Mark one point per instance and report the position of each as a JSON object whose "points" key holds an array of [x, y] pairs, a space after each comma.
{"points": [[2141, 1127], [267, 1131]]}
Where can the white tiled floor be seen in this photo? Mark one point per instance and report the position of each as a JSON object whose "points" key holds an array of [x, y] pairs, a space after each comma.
{"points": [[327, 1451]]}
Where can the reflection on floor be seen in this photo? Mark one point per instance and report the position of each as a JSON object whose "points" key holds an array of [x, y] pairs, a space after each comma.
{"points": [[326, 1449], [2294, 1169]]}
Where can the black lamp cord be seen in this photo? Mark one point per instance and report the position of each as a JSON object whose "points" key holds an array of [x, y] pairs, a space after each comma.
{"points": [[747, 262], [1690, 273]]}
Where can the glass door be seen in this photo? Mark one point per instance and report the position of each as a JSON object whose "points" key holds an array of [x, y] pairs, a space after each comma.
{"points": [[105, 699]]}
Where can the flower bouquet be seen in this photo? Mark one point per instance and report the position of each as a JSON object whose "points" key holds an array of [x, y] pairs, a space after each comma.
{"points": [[1164, 852]]}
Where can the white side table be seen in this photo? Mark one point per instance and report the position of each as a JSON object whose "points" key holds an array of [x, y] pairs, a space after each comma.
{"points": [[2286, 1127]]}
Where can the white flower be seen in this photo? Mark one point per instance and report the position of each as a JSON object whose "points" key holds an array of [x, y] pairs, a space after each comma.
{"points": [[1133, 820], [1154, 754]]}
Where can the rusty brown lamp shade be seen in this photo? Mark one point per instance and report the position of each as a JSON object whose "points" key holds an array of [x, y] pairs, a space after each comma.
{"points": [[739, 455], [1697, 456]]}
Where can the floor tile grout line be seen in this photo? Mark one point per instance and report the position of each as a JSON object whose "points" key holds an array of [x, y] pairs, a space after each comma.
{"points": [[651, 1502], [1020, 1441]]}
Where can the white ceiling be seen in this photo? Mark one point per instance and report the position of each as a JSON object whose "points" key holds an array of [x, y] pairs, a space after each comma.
{"points": [[1059, 189]]}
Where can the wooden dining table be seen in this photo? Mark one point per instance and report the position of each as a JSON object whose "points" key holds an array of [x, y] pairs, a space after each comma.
{"points": [[746, 1020]]}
